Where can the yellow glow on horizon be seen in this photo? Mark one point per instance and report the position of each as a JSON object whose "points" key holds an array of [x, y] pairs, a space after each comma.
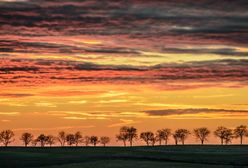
{"points": [[88, 41]]}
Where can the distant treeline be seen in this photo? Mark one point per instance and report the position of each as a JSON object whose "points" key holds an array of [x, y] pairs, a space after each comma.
{"points": [[128, 135]]}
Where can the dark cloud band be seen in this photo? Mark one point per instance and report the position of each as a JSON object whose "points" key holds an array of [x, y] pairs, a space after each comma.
{"points": [[168, 112]]}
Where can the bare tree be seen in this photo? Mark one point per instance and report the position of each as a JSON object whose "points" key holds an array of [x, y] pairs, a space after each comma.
{"points": [[27, 138], [228, 136], [50, 140], [148, 137], [6, 137], [104, 140], [62, 138], [42, 139], [163, 134], [175, 137], [78, 138], [86, 140], [240, 132], [123, 135], [70, 139], [182, 134], [94, 140], [202, 134], [154, 139], [221, 132], [132, 134]]}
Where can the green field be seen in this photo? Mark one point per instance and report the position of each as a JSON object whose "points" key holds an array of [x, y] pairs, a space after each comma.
{"points": [[119, 157]]}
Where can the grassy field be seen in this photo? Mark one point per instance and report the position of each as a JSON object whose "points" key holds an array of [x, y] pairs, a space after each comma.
{"points": [[119, 157]]}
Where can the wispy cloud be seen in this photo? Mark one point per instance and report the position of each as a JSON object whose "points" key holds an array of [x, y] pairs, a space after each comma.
{"points": [[78, 102], [15, 95], [168, 112], [45, 104], [113, 101], [9, 113], [123, 122], [113, 94], [54, 128], [75, 118], [201, 72]]}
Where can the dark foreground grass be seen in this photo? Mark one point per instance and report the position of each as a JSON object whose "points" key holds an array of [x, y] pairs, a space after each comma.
{"points": [[119, 157]]}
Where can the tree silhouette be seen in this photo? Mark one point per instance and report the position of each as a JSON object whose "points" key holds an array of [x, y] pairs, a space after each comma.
{"points": [[42, 139], [148, 137], [131, 134], [222, 133], [123, 135], [104, 140], [86, 140], [175, 137], [94, 140], [128, 134], [154, 140], [202, 134], [27, 138], [240, 132], [62, 138], [50, 140], [228, 136], [163, 134], [78, 138], [6, 137], [70, 139], [182, 135]]}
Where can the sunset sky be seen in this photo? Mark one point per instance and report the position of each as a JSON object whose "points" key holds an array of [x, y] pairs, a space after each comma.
{"points": [[94, 66]]}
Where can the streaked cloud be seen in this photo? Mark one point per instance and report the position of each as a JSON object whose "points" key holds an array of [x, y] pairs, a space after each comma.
{"points": [[74, 72], [55, 128], [78, 102], [168, 112], [113, 101], [15, 95], [123, 122], [113, 94], [75, 118], [6, 120], [45, 104], [9, 113]]}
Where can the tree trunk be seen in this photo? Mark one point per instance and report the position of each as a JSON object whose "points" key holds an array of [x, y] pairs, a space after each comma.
{"points": [[221, 141], [202, 141], [241, 140], [125, 143], [166, 141]]}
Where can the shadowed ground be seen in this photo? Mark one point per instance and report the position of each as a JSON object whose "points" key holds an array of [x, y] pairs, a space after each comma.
{"points": [[118, 157]]}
